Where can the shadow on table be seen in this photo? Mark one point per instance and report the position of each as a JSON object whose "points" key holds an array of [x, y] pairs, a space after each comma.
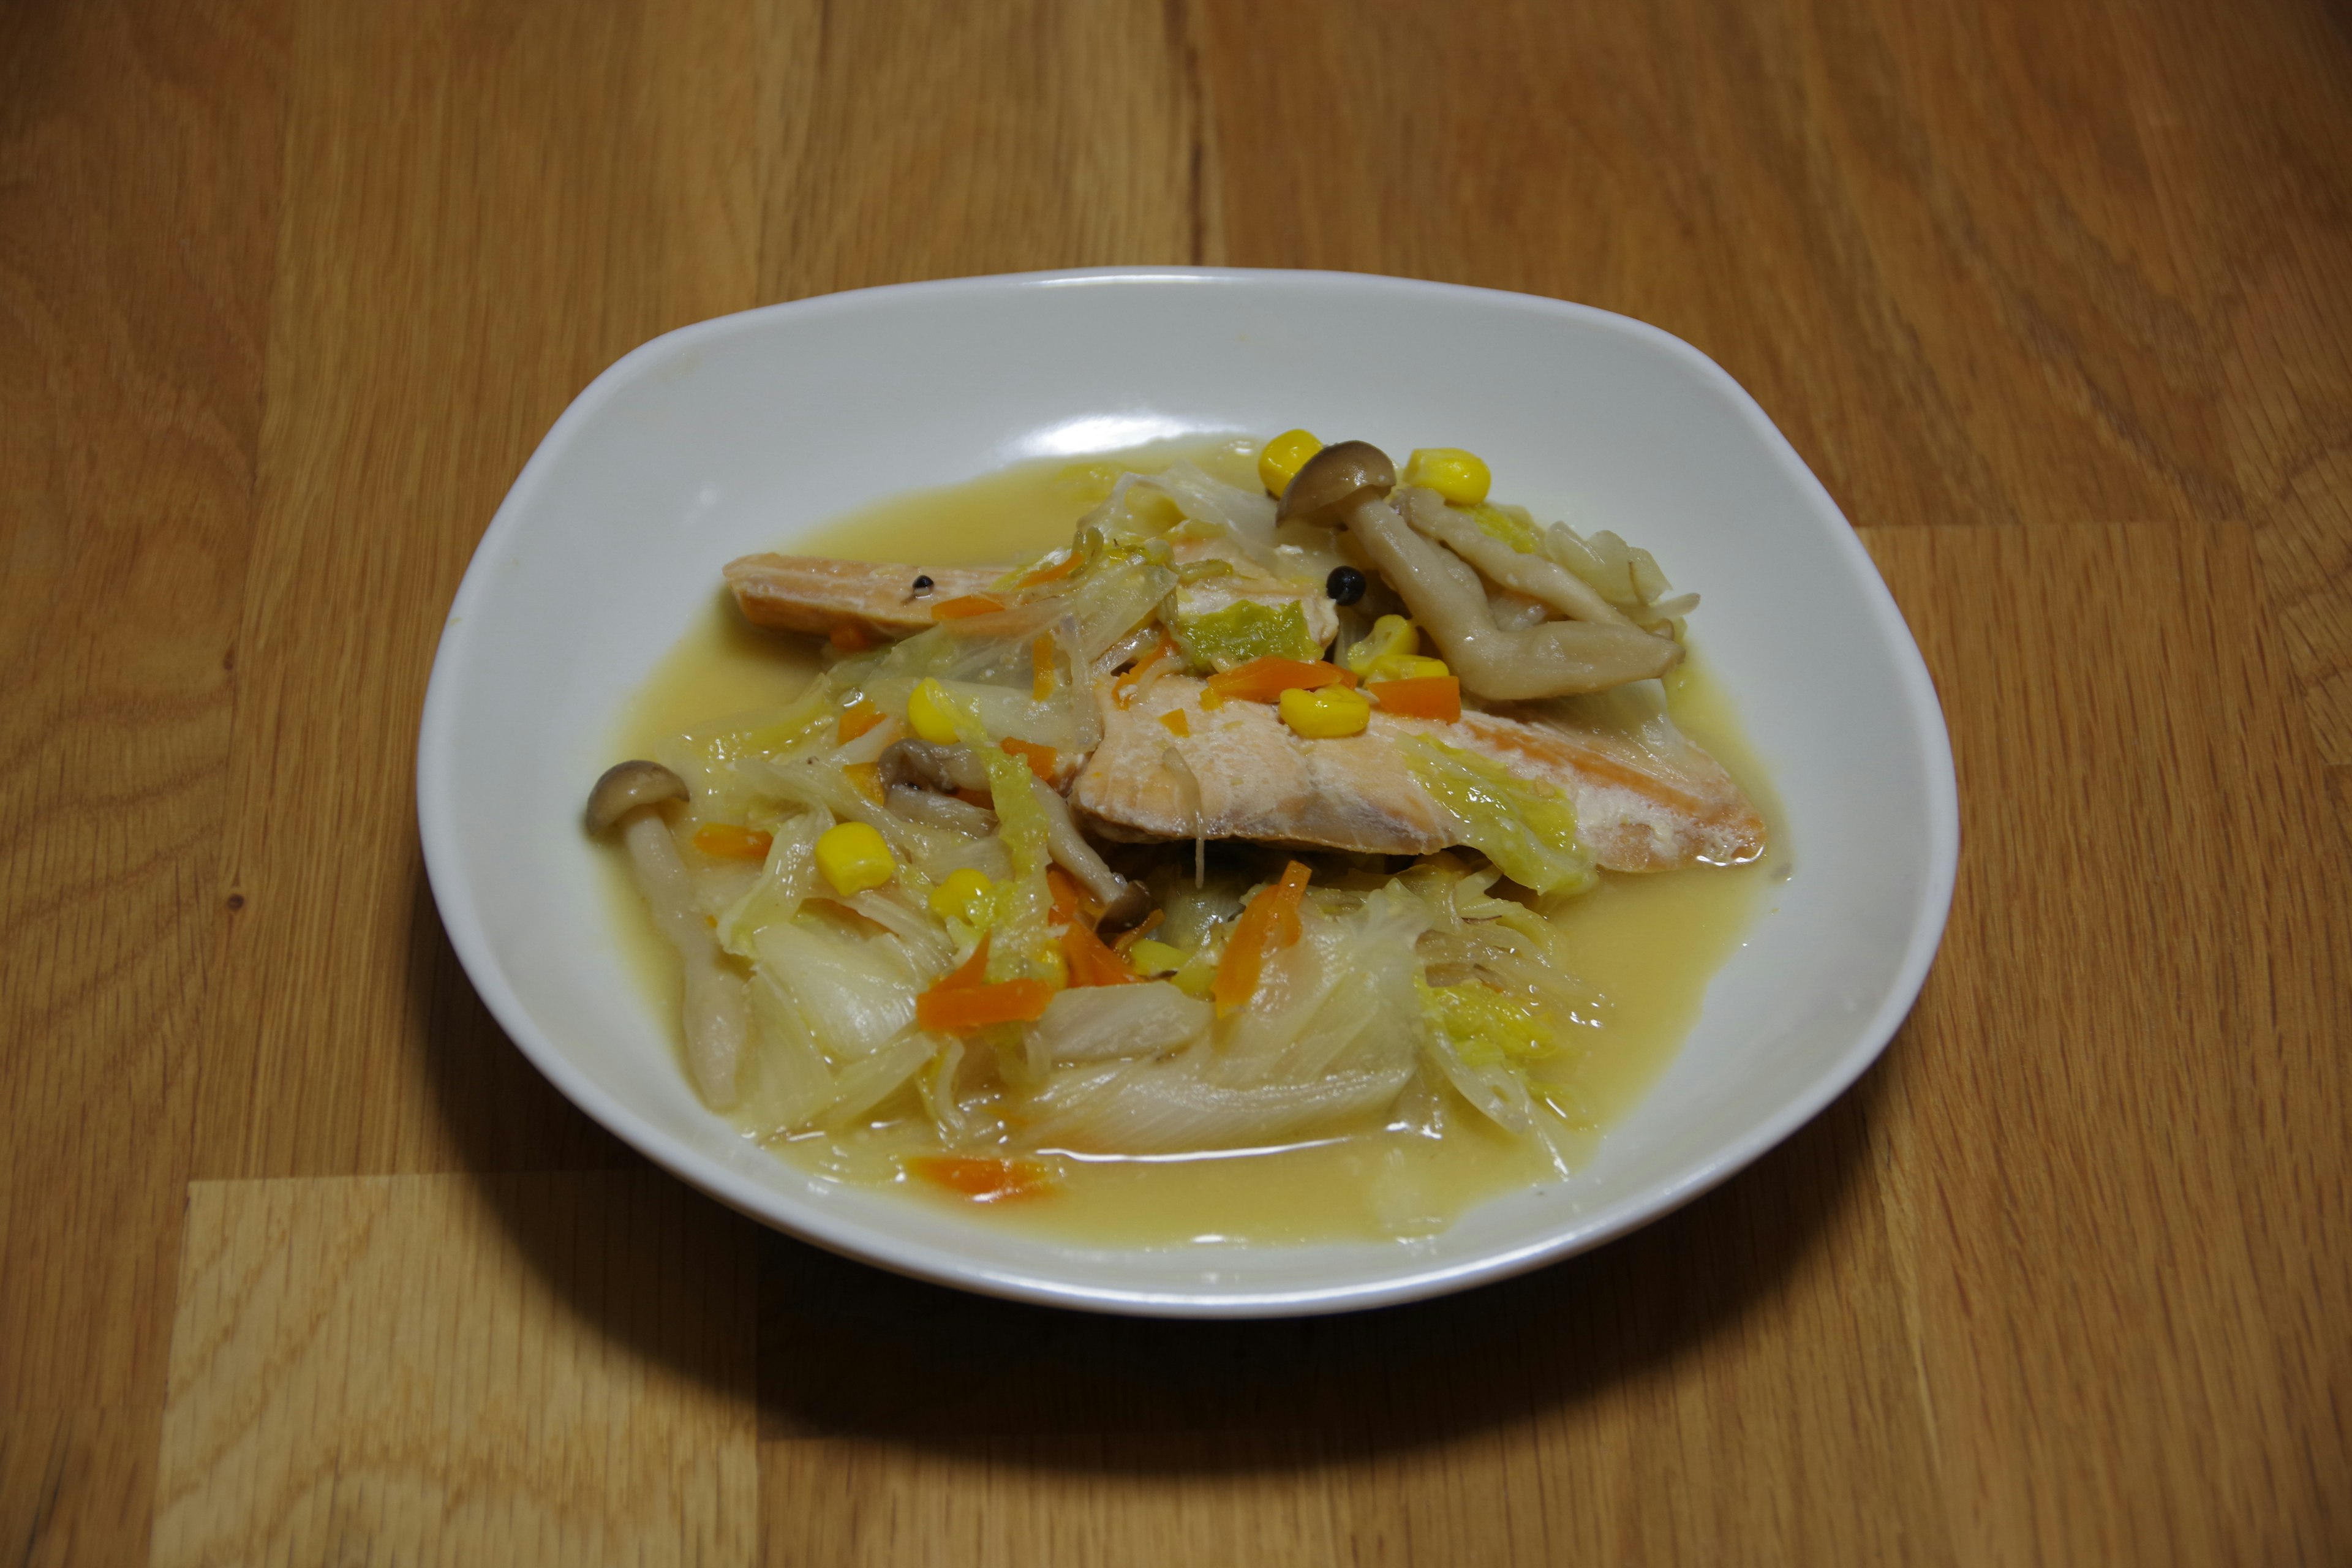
{"points": [[846, 1351]]}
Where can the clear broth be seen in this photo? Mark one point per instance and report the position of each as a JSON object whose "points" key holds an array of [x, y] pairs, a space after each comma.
{"points": [[1648, 944]]}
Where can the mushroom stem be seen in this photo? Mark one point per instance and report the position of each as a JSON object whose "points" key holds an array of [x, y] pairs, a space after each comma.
{"points": [[1537, 576], [715, 1003], [1557, 658], [630, 797], [1121, 899]]}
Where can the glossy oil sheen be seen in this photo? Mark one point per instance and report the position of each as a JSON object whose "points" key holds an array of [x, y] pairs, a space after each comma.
{"points": [[1647, 944]]}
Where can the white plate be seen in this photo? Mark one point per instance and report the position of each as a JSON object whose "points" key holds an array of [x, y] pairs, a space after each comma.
{"points": [[742, 434]]}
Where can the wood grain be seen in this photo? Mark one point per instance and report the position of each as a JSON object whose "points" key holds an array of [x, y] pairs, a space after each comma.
{"points": [[458, 260], [130, 406], [516, 1370], [298, 1259], [922, 141], [2146, 1086], [1922, 235], [2257, 201]]}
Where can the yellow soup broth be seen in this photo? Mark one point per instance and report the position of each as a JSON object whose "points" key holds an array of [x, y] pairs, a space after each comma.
{"points": [[1646, 945]]}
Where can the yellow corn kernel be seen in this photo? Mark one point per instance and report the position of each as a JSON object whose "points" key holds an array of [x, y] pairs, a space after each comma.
{"points": [[1452, 473], [1149, 957], [967, 894], [1327, 714], [1405, 666], [853, 858], [1284, 456], [1177, 724], [1049, 964], [1390, 634], [927, 714]]}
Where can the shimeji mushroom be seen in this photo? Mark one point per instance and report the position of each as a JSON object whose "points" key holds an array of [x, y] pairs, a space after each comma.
{"points": [[1350, 483], [630, 796]]}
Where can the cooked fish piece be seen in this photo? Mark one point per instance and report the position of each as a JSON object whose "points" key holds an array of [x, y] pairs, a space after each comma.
{"points": [[819, 596], [1638, 807]]}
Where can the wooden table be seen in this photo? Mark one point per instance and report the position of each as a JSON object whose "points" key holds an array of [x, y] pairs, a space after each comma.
{"points": [[299, 1261]]}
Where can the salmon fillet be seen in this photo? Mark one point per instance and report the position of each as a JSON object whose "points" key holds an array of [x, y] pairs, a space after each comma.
{"points": [[816, 594], [819, 594], [1259, 780]]}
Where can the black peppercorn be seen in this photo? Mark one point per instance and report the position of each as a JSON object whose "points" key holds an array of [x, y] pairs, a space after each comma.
{"points": [[923, 585], [1346, 584]]}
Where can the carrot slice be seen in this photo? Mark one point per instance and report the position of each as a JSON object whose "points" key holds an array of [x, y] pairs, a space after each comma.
{"points": [[849, 638], [971, 971], [1122, 691], [962, 1008], [1265, 928], [1265, 680], [728, 842], [1176, 722], [856, 720], [982, 1179], [1067, 898], [964, 1000], [1422, 696], [979, 797], [1041, 658], [968, 605], [1041, 759], [1092, 964], [1051, 571]]}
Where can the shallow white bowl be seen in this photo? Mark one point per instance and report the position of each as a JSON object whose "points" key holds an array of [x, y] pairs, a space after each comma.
{"points": [[742, 434]]}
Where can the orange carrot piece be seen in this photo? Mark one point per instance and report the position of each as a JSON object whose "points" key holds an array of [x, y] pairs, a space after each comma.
{"points": [[1422, 696], [1041, 759], [1041, 658], [728, 842], [850, 637], [1267, 927], [1051, 571], [979, 797], [856, 720], [865, 778], [971, 971], [1176, 722], [1122, 691], [962, 1008], [968, 606], [1067, 898], [1092, 964], [1265, 680], [983, 1179]]}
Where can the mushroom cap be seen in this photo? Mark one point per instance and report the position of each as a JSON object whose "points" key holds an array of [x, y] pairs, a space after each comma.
{"points": [[1334, 477], [628, 785]]}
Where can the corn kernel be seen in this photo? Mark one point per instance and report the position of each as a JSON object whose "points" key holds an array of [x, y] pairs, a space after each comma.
{"points": [[1284, 456], [1390, 634], [927, 715], [1149, 957], [967, 894], [1049, 964], [853, 858], [1326, 714], [1405, 666], [1452, 473]]}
